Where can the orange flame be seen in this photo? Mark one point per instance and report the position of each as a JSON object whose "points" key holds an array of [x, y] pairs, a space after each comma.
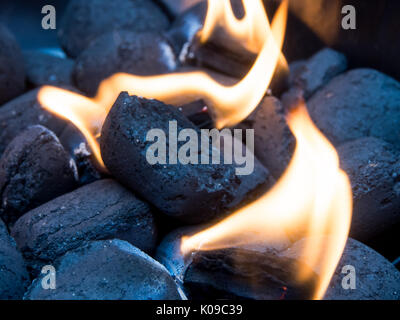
{"points": [[230, 104], [313, 192]]}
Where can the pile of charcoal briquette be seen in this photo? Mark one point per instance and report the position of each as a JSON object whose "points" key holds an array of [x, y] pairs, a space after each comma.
{"points": [[116, 235]]}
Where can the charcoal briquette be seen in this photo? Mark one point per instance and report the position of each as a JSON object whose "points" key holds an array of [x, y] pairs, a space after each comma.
{"points": [[374, 171], [85, 20], [192, 192], [375, 278], [145, 53], [14, 278], [12, 73], [100, 210], [22, 112], [237, 273], [34, 169], [317, 71], [356, 104], [45, 69], [107, 270]]}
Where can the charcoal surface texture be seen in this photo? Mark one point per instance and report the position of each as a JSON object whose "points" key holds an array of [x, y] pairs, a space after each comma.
{"points": [[85, 20], [246, 274], [101, 210], [191, 192], [42, 69], [373, 168], [169, 251], [145, 53], [34, 169], [12, 73], [107, 270], [14, 278], [22, 112], [359, 103], [375, 277], [317, 71], [273, 141], [75, 144]]}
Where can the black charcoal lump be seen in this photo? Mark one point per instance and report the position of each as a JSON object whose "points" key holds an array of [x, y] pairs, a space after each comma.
{"points": [[361, 274], [107, 270], [373, 168], [34, 169], [237, 273], [100, 210], [317, 71], [145, 53], [42, 68], [192, 192], [274, 143], [23, 112], [85, 20], [359, 103], [14, 278], [12, 73]]}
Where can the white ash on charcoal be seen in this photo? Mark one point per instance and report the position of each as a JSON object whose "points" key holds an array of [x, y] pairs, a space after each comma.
{"points": [[85, 20], [366, 275], [45, 69], [75, 143], [358, 103], [273, 141], [146, 53], [100, 210], [317, 71], [374, 171], [191, 192], [22, 112], [107, 270], [34, 169], [12, 73], [14, 278]]}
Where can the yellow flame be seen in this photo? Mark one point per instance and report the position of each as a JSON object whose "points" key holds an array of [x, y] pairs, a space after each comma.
{"points": [[83, 112], [230, 104], [313, 192], [313, 195]]}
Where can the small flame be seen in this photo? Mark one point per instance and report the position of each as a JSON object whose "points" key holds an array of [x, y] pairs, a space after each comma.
{"points": [[83, 112], [313, 198]]}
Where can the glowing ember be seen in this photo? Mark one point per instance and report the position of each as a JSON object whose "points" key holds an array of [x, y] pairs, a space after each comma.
{"points": [[313, 198]]}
